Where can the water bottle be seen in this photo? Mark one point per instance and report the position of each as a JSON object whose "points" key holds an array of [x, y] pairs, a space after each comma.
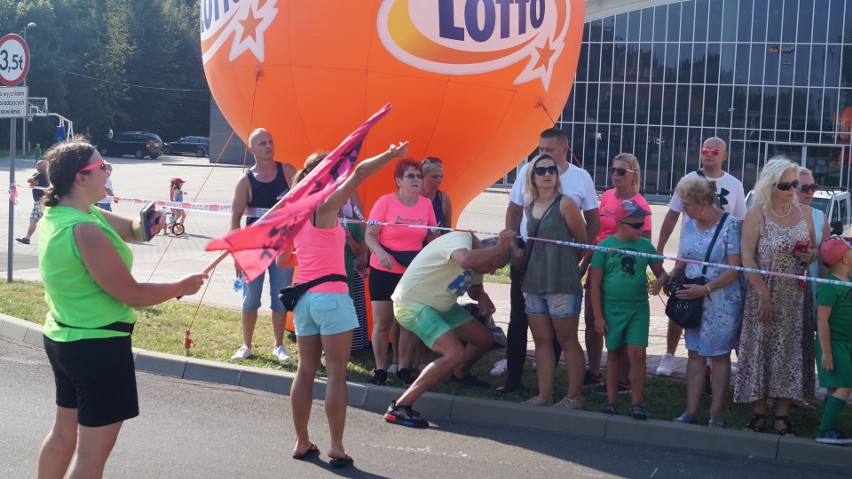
{"points": [[238, 284]]}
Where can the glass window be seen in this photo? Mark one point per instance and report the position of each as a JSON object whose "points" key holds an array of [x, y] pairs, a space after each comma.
{"points": [[608, 29], [604, 102], [658, 62], [647, 29], [682, 105], [791, 21], [817, 72], [700, 20], [785, 103], [758, 21], [696, 108], [820, 20], [583, 63], [787, 67], [773, 61], [592, 103], [710, 105], [728, 28], [597, 31], [642, 107], [834, 53], [804, 22], [673, 33], [744, 23], [755, 96], [798, 119], [656, 99], [768, 114], [632, 69], [594, 62], [669, 99], [699, 62], [714, 22], [802, 70], [617, 92], [835, 21], [829, 108], [618, 61], [645, 62], [758, 52], [606, 62], [815, 105], [634, 19], [671, 62], [586, 29], [687, 24], [774, 19], [724, 113], [726, 63], [713, 54], [660, 19], [847, 34], [846, 66], [684, 63], [621, 27], [743, 63]]}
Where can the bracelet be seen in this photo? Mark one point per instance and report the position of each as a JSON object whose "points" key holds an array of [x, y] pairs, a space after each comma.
{"points": [[708, 290]]}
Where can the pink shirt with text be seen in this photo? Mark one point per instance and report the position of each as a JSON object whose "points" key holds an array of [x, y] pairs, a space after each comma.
{"points": [[388, 209]]}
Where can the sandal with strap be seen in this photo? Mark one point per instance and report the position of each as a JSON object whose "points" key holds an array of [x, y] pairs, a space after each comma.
{"points": [[716, 422], [752, 425], [637, 411], [611, 409], [687, 418], [787, 431]]}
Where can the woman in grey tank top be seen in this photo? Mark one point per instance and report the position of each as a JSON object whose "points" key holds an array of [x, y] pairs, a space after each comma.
{"points": [[551, 284]]}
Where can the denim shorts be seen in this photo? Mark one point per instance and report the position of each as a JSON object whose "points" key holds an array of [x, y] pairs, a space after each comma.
{"points": [[253, 290], [555, 305], [325, 314]]}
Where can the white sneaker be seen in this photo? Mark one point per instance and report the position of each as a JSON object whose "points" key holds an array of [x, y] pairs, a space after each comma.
{"points": [[667, 365], [242, 353], [280, 352], [499, 368], [393, 368]]}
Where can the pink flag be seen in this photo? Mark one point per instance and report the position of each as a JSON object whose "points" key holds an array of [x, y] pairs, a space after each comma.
{"points": [[255, 247]]}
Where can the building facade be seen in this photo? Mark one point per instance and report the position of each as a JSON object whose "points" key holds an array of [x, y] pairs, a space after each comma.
{"points": [[768, 76]]}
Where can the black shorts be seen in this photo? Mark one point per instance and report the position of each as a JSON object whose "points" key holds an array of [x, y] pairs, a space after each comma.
{"points": [[95, 376], [382, 284]]}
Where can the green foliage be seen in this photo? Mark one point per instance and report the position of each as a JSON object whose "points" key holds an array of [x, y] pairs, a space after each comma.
{"points": [[113, 63]]}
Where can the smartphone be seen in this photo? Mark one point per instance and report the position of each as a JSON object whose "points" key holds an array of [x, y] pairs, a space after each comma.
{"points": [[802, 246], [146, 217]]}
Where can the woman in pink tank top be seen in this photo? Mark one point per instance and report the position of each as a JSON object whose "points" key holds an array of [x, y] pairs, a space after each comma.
{"points": [[325, 316]]}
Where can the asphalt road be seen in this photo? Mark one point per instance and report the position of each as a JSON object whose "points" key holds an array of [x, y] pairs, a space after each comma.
{"points": [[189, 429]]}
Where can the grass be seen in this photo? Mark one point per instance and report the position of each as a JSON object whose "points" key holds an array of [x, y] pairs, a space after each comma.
{"points": [[216, 332]]}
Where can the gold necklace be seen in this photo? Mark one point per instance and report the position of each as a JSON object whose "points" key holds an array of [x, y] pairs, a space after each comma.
{"points": [[789, 210]]}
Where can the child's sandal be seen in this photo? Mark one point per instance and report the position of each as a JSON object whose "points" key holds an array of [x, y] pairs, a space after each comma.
{"points": [[787, 431], [753, 426]]}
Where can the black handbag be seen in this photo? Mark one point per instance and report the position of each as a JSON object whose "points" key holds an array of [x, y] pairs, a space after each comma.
{"points": [[402, 257], [290, 294], [687, 313]]}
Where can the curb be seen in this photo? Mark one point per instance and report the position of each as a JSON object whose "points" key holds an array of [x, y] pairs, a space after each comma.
{"points": [[437, 407]]}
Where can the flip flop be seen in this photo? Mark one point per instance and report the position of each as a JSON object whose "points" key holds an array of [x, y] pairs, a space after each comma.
{"points": [[312, 451], [337, 462]]}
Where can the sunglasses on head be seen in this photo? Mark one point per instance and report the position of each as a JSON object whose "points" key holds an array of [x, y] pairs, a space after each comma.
{"points": [[545, 170], [636, 226], [787, 186], [710, 151], [98, 164], [620, 171], [412, 176], [808, 188]]}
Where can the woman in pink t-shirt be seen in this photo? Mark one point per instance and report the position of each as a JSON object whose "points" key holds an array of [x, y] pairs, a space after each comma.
{"points": [[393, 247], [325, 315], [626, 179]]}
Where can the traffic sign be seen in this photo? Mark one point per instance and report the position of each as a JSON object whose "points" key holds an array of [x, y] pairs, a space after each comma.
{"points": [[13, 102], [14, 59]]}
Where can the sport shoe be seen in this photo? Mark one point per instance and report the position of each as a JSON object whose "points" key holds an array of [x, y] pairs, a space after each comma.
{"points": [[280, 353], [242, 353], [23, 240], [499, 368], [404, 416], [469, 381], [392, 369], [667, 365], [590, 379], [405, 376], [832, 436], [380, 377], [570, 403]]}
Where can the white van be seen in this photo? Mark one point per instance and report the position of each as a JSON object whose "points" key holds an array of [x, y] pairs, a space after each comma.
{"points": [[835, 203]]}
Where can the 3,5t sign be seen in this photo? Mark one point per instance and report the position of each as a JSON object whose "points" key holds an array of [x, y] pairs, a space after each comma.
{"points": [[14, 59]]}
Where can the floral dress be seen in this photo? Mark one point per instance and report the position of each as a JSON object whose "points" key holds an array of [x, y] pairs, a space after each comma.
{"points": [[719, 332], [770, 353]]}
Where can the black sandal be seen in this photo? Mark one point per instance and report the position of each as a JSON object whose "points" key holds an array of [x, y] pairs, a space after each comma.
{"points": [[752, 423], [788, 428]]}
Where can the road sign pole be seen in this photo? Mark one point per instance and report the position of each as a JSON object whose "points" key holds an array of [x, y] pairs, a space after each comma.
{"points": [[11, 241]]}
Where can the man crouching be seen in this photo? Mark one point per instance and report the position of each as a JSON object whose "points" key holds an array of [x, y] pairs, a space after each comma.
{"points": [[424, 302]]}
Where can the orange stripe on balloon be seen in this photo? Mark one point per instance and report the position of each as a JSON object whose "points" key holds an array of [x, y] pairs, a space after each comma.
{"points": [[409, 38]]}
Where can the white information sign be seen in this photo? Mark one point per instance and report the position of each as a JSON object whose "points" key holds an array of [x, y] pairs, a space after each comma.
{"points": [[13, 102]]}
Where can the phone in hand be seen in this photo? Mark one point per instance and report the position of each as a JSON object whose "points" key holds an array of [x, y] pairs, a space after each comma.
{"points": [[802, 246], [147, 217]]}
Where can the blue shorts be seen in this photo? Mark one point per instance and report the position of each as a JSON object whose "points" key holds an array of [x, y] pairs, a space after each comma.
{"points": [[252, 291], [429, 324], [325, 314], [555, 305]]}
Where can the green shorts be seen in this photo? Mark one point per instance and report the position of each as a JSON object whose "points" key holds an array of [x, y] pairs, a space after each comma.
{"points": [[428, 323], [841, 375], [627, 325]]}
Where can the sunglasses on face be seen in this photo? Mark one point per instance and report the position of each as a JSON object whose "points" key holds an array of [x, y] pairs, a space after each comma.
{"points": [[808, 188], [710, 151], [412, 176], [546, 170], [787, 186], [636, 226], [98, 164], [620, 171]]}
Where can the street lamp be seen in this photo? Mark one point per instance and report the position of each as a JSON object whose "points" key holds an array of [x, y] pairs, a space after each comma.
{"points": [[24, 119]]}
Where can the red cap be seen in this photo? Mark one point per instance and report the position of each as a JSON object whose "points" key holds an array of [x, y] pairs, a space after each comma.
{"points": [[833, 249], [177, 180], [629, 209]]}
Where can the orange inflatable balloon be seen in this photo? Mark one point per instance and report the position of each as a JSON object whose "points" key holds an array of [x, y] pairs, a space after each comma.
{"points": [[472, 82]]}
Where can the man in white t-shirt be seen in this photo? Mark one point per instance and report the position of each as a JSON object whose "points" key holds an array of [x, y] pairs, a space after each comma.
{"points": [[577, 184], [425, 303], [732, 198]]}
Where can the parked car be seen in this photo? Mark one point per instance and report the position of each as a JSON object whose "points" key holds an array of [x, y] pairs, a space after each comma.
{"points": [[194, 145], [835, 203], [137, 143]]}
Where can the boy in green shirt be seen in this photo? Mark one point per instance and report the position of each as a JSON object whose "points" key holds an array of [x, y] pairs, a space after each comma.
{"points": [[833, 344]]}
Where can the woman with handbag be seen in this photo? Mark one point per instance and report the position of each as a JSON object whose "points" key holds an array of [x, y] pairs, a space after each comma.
{"points": [[325, 315], [708, 234], [551, 284], [770, 353], [393, 248]]}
